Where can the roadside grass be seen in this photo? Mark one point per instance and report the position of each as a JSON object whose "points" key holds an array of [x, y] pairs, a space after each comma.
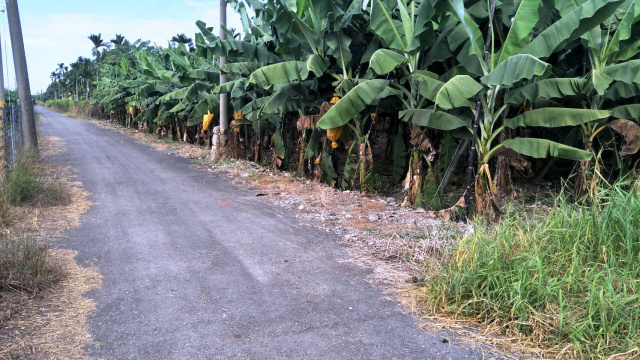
{"points": [[568, 281], [62, 105], [28, 184], [25, 265], [24, 262]]}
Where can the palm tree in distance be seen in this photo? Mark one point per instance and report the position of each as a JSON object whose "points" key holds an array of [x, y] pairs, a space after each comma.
{"points": [[54, 77], [182, 39], [98, 42], [119, 40]]}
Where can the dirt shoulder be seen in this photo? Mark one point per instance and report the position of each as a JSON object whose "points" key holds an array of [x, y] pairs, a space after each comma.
{"points": [[53, 323]]}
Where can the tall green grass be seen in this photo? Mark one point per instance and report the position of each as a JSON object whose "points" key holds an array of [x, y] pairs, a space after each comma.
{"points": [[62, 105], [28, 183], [571, 277]]}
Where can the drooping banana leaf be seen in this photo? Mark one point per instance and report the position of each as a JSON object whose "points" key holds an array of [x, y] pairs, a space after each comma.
{"points": [[433, 119], [229, 86], [542, 148], [548, 89], [287, 72], [208, 75], [570, 26], [235, 47], [621, 90], [556, 117], [383, 61], [457, 91], [626, 72], [516, 68], [338, 43], [243, 68], [599, 81], [352, 103], [188, 93], [629, 112]]}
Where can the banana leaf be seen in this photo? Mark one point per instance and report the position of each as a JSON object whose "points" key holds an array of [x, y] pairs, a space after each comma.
{"points": [[353, 103], [626, 72], [433, 119], [629, 112], [457, 91], [542, 149], [523, 23], [384, 61], [516, 68], [556, 117], [547, 89], [571, 26], [287, 72]]}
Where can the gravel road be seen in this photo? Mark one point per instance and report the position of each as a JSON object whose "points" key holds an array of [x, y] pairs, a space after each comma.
{"points": [[197, 268]]}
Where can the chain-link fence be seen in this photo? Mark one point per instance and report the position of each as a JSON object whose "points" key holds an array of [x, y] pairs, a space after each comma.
{"points": [[10, 135]]}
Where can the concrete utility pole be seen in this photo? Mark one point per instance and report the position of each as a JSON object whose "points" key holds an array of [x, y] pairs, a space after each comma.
{"points": [[22, 77], [224, 118], [3, 132], [2, 95]]}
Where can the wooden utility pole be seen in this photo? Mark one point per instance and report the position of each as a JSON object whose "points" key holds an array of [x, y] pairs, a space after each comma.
{"points": [[22, 77], [224, 119]]}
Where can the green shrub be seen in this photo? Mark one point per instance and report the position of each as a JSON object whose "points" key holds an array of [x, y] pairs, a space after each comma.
{"points": [[571, 276]]}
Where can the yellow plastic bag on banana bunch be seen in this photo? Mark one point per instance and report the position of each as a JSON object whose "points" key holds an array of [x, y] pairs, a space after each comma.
{"points": [[206, 121]]}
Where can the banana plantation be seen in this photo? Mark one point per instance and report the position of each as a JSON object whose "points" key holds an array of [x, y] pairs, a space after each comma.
{"points": [[452, 101]]}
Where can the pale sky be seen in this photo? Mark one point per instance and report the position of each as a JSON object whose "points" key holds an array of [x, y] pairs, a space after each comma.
{"points": [[56, 31]]}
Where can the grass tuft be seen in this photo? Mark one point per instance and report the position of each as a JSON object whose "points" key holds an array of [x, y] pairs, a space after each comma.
{"points": [[27, 183], [24, 264], [567, 280]]}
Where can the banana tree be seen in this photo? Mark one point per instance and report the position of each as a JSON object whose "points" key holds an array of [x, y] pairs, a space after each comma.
{"points": [[413, 44], [519, 61], [609, 48], [324, 38], [608, 81]]}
